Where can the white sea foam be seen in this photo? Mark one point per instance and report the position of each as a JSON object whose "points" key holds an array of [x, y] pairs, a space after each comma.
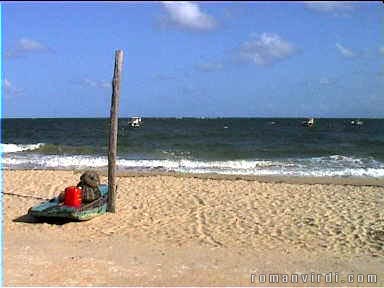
{"points": [[12, 148], [53, 161], [338, 166]]}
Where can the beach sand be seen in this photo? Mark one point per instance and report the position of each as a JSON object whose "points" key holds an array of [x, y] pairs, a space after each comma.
{"points": [[173, 230]]}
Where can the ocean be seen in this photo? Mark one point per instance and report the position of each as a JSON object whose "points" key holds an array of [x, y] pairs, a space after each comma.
{"points": [[246, 146]]}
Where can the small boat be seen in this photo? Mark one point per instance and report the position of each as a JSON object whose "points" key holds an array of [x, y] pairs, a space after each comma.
{"points": [[309, 122], [54, 209], [357, 122], [135, 122]]}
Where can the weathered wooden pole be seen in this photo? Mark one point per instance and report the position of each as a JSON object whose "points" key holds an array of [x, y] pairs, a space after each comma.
{"points": [[112, 147]]}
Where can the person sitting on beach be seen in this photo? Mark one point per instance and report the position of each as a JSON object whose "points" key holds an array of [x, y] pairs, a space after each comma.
{"points": [[89, 185]]}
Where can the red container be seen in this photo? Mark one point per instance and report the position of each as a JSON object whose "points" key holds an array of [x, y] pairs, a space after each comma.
{"points": [[72, 196]]}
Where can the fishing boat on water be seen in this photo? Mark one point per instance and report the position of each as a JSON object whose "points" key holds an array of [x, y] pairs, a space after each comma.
{"points": [[135, 122], [309, 122], [357, 122]]}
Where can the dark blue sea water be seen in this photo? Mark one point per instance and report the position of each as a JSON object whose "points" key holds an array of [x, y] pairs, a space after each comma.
{"points": [[250, 146]]}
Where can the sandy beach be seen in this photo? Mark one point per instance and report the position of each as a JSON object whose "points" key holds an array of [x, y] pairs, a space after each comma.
{"points": [[173, 230]]}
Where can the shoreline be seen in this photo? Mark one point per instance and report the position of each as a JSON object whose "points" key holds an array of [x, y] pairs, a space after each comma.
{"points": [[310, 180]]}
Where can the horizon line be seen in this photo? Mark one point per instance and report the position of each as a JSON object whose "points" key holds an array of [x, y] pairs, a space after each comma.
{"points": [[201, 117]]}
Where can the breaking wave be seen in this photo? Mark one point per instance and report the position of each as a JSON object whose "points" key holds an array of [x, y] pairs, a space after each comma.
{"points": [[12, 148], [336, 165]]}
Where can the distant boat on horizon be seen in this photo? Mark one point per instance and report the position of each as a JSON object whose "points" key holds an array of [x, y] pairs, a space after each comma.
{"points": [[135, 122], [309, 122], [357, 122]]}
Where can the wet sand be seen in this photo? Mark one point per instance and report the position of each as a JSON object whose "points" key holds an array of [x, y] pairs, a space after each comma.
{"points": [[191, 230]]}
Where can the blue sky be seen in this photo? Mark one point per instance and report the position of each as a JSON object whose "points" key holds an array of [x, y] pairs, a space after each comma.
{"points": [[215, 59]]}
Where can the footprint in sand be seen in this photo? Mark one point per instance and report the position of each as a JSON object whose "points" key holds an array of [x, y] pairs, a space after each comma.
{"points": [[201, 224]]}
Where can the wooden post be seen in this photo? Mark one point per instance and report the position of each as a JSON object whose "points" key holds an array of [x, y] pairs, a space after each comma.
{"points": [[112, 148]]}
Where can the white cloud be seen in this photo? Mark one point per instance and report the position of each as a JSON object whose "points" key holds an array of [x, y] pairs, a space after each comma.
{"points": [[266, 49], [345, 51], [333, 7], [10, 89], [209, 66], [7, 84], [30, 45], [185, 14], [26, 46], [95, 83], [327, 81]]}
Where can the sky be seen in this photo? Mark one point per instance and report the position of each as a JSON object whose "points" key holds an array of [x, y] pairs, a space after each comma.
{"points": [[194, 59]]}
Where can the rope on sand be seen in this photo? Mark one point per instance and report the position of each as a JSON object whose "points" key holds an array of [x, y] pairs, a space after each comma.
{"points": [[25, 196]]}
